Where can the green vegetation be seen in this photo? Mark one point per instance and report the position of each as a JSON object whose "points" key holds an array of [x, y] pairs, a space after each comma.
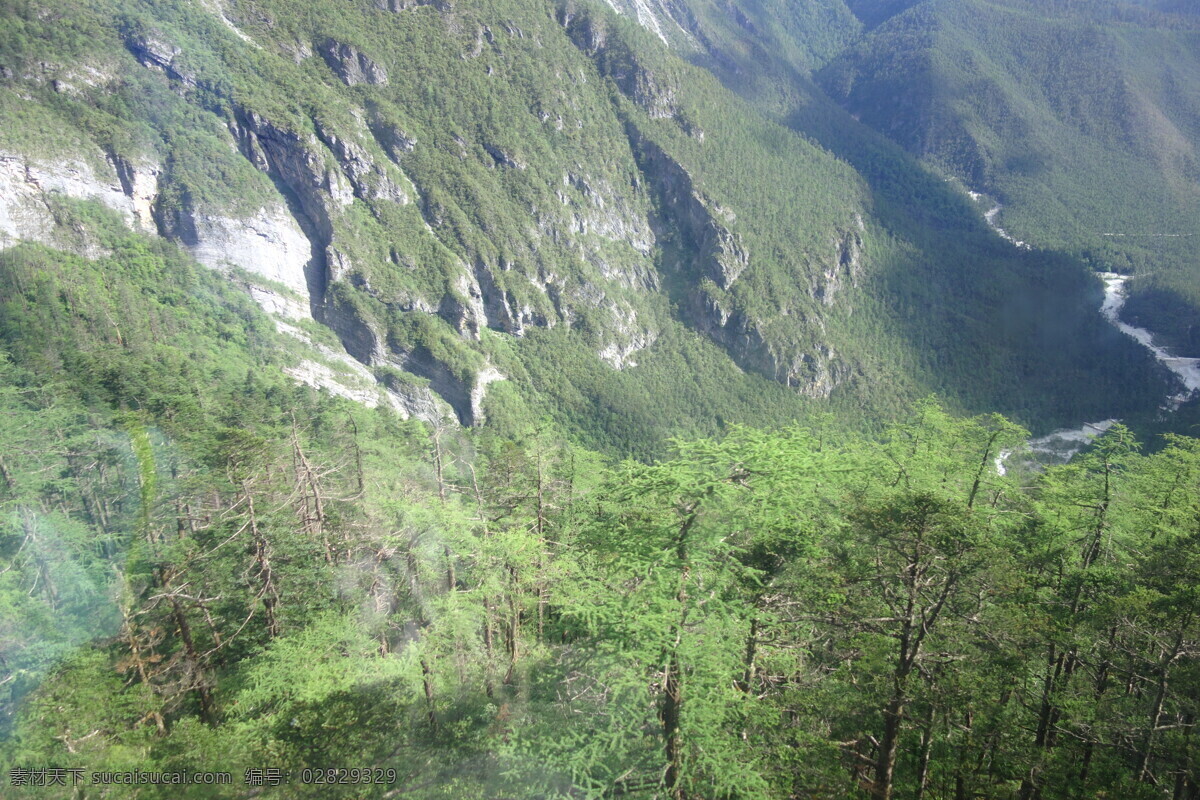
{"points": [[522, 170], [1082, 118], [710, 543], [205, 567]]}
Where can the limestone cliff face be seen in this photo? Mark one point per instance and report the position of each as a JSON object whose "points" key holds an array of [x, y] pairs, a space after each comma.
{"points": [[268, 243], [299, 164], [155, 50], [405, 5], [670, 20], [370, 179], [597, 213], [29, 186], [463, 393], [715, 252], [707, 256], [844, 268], [24, 212], [323, 174], [710, 259], [657, 93], [365, 223]]}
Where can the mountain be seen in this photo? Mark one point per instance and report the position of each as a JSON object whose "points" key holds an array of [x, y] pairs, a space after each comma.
{"points": [[531, 399], [511, 205], [1081, 119]]}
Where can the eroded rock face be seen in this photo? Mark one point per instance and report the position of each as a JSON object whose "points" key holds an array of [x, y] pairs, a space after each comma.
{"points": [[669, 20], [405, 5], [297, 161], [712, 250], [627, 338], [139, 182], [156, 51], [715, 253], [655, 93], [719, 253], [370, 180], [598, 214], [352, 66], [317, 189], [844, 267], [465, 396], [394, 141], [340, 374], [815, 374], [322, 189], [463, 393], [268, 243], [28, 187], [503, 158], [24, 214]]}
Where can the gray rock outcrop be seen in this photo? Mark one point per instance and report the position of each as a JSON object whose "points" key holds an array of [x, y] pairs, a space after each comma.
{"points": [[28, 187], [719, 253], [352, 66], [153, 49], [369, 179], [657, 94], [268, 243], [405, 5]]}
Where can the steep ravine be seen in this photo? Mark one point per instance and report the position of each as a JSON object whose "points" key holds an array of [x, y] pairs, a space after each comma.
{"points": [[1061, 446]]}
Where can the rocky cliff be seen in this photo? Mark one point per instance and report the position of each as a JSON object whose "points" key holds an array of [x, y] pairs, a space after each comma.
{"points": [[415, 227]]}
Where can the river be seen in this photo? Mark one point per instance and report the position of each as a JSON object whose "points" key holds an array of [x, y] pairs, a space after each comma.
{"points": [[1060, 446]]}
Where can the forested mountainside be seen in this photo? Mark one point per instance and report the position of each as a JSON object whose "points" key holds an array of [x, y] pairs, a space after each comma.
{"points": [[210, 567], [1082, 119], [531, 399], [514, 204]]}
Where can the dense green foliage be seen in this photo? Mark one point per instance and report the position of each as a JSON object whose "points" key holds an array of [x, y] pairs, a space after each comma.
{"points": [[1082, 118], [205, 567]]}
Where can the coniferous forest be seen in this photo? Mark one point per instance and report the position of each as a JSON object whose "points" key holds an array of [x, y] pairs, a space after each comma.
{"points": [[465, 400], [208, 567]]}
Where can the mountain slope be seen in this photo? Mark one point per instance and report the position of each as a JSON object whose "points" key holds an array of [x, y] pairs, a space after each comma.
{"points": [[1084, 121], [543, 193]]}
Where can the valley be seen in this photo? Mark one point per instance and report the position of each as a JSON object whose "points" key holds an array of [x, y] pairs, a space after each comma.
{"points": [[596, 399]]}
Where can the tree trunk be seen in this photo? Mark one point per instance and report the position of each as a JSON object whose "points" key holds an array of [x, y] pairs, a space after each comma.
{"points": [[923, 760], [1186, 787], [262, 558], [960, 769], [7, 476], [983, 465], [1156, 710], [203, 695], [889, 743], [514, 628], [489, 649], [672, 706], [748, 670], [672, 679], [427, 683], [541, 557]]}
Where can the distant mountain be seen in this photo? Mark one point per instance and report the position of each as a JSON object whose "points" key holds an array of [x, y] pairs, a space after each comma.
{"points": [[1083, 119], [463, 399]]}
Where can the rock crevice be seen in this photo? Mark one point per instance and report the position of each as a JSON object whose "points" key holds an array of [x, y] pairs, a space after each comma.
{"points": [[351, 65]]}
